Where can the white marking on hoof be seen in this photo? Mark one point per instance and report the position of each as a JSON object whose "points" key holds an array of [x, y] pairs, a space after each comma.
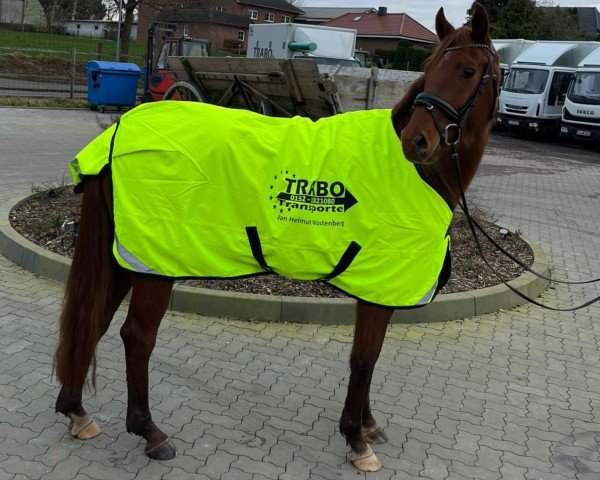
{"points": [[365, 462], [83, 427]]}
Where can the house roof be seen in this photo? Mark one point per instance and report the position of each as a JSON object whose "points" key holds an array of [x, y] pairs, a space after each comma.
{"points": [[195, 15], [394, 25], [588, 18], [282, 5], [323, 14]]}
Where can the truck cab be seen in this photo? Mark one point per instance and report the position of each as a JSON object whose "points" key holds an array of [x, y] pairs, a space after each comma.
{"points": [[160, 77], [536, 86], [581, 111], [509, 49]]}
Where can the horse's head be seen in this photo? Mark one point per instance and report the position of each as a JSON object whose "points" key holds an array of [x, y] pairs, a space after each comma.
{"points": [[455, 100]]}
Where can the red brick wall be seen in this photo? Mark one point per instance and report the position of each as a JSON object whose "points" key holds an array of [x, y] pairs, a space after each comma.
{"points": [[216, 34]]}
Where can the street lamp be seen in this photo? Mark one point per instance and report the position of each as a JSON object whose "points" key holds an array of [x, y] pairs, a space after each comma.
{"points": [[119, 30]]}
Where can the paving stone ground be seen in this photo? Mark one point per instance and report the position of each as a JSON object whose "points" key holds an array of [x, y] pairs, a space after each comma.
{"points": [[510, 395]]}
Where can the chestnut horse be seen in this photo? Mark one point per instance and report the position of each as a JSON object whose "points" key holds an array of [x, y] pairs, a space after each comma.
{"points": [[446, 113]]}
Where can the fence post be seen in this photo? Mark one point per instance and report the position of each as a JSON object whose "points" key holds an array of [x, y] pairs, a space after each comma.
{"points": [[73, 63]]}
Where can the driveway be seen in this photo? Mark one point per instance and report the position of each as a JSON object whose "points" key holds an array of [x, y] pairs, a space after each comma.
{"points": [[511, 395]]}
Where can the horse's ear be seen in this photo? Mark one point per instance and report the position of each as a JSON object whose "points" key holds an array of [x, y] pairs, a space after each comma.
{"points": [[442, 26], [402, 110], [479, 24]]}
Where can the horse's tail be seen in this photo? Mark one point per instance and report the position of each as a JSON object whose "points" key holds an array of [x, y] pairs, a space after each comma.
{"points": [[84, 313]]}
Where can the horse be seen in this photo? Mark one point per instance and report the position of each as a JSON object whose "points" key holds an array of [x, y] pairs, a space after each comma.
{"points": [[445, 116]]}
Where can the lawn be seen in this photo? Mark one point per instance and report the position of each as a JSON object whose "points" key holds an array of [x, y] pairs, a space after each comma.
{"points": [[32, 44]]}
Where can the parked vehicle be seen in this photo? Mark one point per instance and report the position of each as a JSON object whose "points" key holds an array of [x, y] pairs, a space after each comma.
{"points": [[509, 50], [159, 77], [581, 111], [324, 45], [534, 91]]}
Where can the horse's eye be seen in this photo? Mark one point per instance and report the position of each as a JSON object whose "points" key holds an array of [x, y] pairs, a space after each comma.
{"points": [[468, 72]]}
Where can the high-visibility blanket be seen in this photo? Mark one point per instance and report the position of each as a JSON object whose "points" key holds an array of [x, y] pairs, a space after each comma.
{"points": [[204, 191]]}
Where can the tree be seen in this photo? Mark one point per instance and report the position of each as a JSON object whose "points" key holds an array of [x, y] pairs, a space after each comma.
{"points": [[129, 7], [559, 24], [519, 19], [56, 10]]}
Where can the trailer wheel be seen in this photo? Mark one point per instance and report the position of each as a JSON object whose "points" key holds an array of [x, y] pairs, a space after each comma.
{"points": [[183, 90]]}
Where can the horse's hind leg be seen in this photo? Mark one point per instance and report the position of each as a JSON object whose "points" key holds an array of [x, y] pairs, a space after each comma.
{"points": [[69, 401], [357, 423], [149, 301]]}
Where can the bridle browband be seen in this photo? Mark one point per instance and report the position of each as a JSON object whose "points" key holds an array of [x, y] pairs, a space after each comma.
{"points": [[458, 118]]}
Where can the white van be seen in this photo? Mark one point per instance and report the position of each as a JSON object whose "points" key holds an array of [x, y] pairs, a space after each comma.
{"points": [[581, 111], [534, 91]]}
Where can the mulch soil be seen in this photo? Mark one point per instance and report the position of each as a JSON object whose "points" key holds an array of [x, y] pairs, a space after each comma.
{"points": [[45, 219]]}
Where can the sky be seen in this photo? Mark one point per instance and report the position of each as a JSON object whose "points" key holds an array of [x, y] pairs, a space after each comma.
{"points": [[423, 11]]}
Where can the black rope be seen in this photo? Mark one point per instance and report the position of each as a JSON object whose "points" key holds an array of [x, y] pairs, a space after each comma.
{"points": [[464, 207]]}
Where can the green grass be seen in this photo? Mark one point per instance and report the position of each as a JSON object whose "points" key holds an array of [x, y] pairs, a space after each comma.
{"points": [[32, 43], [43, 102]]}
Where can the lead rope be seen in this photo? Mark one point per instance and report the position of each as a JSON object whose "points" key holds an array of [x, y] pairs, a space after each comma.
{"points": [[464, 207]]}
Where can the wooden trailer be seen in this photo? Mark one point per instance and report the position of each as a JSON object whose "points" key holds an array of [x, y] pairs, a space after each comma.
{"points": [[285, 87]]}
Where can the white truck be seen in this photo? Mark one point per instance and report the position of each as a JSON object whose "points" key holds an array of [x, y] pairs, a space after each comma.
{"points": [[581, 111], [534, 92], [509, 50], [325, 45]]}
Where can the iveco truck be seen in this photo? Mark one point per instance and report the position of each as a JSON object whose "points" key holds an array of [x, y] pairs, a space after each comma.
{"points": [[581, 111], [534, 92], [325, 45]]}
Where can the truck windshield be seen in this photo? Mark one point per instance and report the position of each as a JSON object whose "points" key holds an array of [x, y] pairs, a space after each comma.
{"points": [[194, 49], [524, 80], [585, 88]]}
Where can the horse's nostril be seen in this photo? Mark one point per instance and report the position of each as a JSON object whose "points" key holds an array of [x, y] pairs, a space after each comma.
{"points": [[420, 144]]}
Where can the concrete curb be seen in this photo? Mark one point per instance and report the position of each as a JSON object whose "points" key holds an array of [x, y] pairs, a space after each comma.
{"points": [[451, 306]]}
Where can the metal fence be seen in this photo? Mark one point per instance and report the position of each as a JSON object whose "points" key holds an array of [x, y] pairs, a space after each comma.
{"points": [[36, 64]]}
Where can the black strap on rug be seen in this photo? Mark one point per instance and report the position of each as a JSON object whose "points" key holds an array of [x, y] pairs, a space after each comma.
{"points": [[345, 260]]}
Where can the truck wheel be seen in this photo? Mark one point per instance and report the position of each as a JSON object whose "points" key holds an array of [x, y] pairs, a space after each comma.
{"points": [[183, 90]]}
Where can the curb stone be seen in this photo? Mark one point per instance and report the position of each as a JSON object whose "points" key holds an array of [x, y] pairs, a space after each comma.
{"points": [[451, 306]]}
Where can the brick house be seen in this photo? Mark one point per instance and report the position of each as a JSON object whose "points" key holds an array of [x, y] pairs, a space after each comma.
{"points": [[224, 22], [379, 30]]}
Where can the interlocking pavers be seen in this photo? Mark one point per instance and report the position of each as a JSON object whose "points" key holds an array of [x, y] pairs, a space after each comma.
{"points": [[511, 395]]}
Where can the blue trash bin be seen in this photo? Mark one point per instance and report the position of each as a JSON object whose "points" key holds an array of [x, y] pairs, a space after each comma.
{"points": [[112, 83]]}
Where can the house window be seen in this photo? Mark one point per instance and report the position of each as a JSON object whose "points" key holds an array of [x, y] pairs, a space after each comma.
{"points": [[241, 35], [253, 14], [285, 19], [269, 17], [186, 30], [95, 27], [78, 26]]}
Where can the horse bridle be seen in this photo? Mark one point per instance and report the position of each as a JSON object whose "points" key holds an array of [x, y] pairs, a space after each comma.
{"points": [[451, 133], [432, 101]]}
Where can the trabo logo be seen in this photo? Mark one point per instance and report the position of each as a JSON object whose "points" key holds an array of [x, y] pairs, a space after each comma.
{"points": [[311, 195]]}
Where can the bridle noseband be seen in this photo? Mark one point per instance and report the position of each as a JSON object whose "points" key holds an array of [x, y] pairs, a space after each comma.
{"points": [[452, 133]]}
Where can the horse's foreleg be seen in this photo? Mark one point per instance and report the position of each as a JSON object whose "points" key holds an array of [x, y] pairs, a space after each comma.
{"points": [[357, 421], [69, 401], [149, 302]]}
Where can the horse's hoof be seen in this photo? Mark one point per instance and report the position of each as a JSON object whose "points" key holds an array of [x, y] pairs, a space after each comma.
{"points": [[365, 462], [375, 435], [83, 427], [163, 451]]}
